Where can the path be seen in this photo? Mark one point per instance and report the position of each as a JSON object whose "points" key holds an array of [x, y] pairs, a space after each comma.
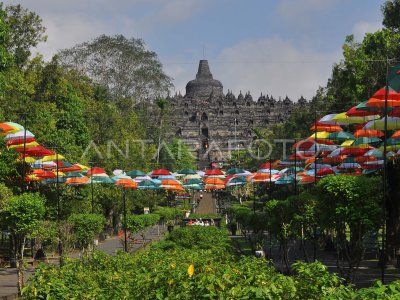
{"points": [[206, 204], [8, 276]]}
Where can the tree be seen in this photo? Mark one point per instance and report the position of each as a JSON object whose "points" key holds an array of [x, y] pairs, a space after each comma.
{"points": [[124, 66], [349, 203], [25, 32], [22, 215], [391, 12], [175, 155]]}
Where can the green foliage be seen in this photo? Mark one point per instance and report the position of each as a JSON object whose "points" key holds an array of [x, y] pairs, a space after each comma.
{"points": [[136, 223], [124, 66], [5, 195], [86, 227], [23, 213], [353, 199], [391, 12], [162, 273], [199, 237], [313, 281], [25, 32], [165, 213], [176, 155]]}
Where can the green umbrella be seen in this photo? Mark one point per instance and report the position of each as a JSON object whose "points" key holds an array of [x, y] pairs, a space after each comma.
{"points": [[285, 180], [135, 173], [148, 185], [237, 181], [341, 136], [392, 141], [234, 171], [100, 179], [366, 141], [193, 181], [186, 171], [292, 170], [197, 187]]}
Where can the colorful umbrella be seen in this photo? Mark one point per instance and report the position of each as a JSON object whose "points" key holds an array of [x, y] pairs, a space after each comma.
{"points": [[148, 185], [159, 172], [341, 136], [392, 124], [19, 135], [135, 173], [36, 151], [345, 119], [96, 171], [211, 172], [233, 171], [368, 133], [186, 171]]}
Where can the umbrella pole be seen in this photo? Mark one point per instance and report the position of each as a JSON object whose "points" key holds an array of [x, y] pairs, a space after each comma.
{"points": [[23, 161], [315, 182], [60, 246], [384, 177], [124, 203]]}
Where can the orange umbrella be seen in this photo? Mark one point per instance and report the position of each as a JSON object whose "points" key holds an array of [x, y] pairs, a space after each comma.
{"points": [[77, 180], [260, 177], [125, 181], [380, 102], [307, 179], [368, 133], [396, 135], [170, 182], [214, 181], [328, 128]]}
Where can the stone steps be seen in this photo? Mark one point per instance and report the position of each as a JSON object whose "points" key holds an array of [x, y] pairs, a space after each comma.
{"points": [[206, 204]]}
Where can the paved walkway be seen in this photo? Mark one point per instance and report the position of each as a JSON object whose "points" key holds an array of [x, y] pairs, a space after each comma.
{"points": [[8, 276]]}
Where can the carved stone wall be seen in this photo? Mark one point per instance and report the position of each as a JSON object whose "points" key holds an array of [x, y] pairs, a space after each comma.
{"points": [[214, 124]]}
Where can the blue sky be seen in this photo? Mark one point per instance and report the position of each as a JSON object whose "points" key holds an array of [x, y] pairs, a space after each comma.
{"points": [[275, 47]]}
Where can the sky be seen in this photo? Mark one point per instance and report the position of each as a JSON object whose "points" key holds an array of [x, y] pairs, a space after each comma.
{"points": [[274, 47]]}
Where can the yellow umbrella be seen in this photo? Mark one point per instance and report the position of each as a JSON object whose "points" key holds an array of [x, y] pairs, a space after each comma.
{"points": [[30, 160], [27, 145], [320, 135], [52, 157], [393, 123], [345, 119], [82, 167], [347, 143]]}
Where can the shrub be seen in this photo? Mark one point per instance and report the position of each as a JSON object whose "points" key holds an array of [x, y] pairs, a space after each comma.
{"points": [[86, 227]]}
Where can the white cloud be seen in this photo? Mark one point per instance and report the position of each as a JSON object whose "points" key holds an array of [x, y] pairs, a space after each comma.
{"points": [[270, 66], [296, 11], [361, 28]]}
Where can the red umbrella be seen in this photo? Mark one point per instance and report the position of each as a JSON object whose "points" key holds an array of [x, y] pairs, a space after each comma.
{"points": [[266, 165], [20, 141], [214, 172], [46, 175], [159, 172], [381, 94], [96, 170], [368, 133], [355, 151], [354, 112], [325, 171], [35, 151]]}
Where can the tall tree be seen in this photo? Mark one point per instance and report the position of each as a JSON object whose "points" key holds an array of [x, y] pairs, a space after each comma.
{"points": [[26, 31], [124, 66], [391, 13]]}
